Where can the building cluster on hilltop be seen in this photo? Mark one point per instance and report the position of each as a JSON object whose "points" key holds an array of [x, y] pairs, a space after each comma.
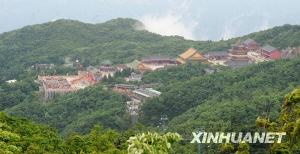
{"points": [[240, 55], [244, 53]]}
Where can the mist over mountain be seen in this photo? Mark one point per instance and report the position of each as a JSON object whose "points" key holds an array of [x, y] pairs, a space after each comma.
{"points": [[195, 20]]}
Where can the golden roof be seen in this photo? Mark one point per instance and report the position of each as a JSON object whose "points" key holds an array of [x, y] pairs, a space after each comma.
{"points": [[197, 55], [188, 53], [142, 66]]}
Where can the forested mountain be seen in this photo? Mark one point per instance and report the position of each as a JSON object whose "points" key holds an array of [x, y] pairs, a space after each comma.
{"points": [[229, 100], [120, 40], [116, 40]]}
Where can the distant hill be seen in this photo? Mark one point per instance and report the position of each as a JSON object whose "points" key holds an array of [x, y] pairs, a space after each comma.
{"points": [[120, 40], [117, 40]]}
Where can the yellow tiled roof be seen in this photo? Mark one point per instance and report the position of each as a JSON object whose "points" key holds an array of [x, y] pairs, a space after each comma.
{"points": [[188, 53], [180, 60], [142, 66], [198, 55]]}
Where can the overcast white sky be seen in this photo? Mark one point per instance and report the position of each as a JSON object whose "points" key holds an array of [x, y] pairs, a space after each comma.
{"points": [[192, 19]]}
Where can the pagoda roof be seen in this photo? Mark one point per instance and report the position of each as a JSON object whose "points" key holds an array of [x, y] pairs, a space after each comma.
{"points": [[248, 41], [133, 64], [268, 48], [218, 53]]}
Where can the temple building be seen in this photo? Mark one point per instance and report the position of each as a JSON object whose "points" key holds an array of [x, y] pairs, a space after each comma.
{"points": [[217, 55], [92, 74], [133, 64], [121, 67], [138, 66], [125, 88], [192, 55], [159, 60], [107, 68], [238, 49], [251, 44], [142, 94], [142, 68], [237, 62], [134, 77], [270, 52]]}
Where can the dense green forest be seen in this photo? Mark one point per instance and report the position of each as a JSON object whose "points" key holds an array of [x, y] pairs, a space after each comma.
{"points": [[230, 100], [79, 111], [19, 135]]}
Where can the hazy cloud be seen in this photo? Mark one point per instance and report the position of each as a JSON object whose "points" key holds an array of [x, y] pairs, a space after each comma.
{"points": [[265, 23], [173, 21], [231, 27], [192, 19]]}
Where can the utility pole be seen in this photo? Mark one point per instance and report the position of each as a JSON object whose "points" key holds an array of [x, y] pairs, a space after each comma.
{"points": [[164, 119], [199, 130]]}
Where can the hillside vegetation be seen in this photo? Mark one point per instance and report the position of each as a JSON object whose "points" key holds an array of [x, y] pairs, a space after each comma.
{"points": [[230, 100], [79, 111], [118, 40]]}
